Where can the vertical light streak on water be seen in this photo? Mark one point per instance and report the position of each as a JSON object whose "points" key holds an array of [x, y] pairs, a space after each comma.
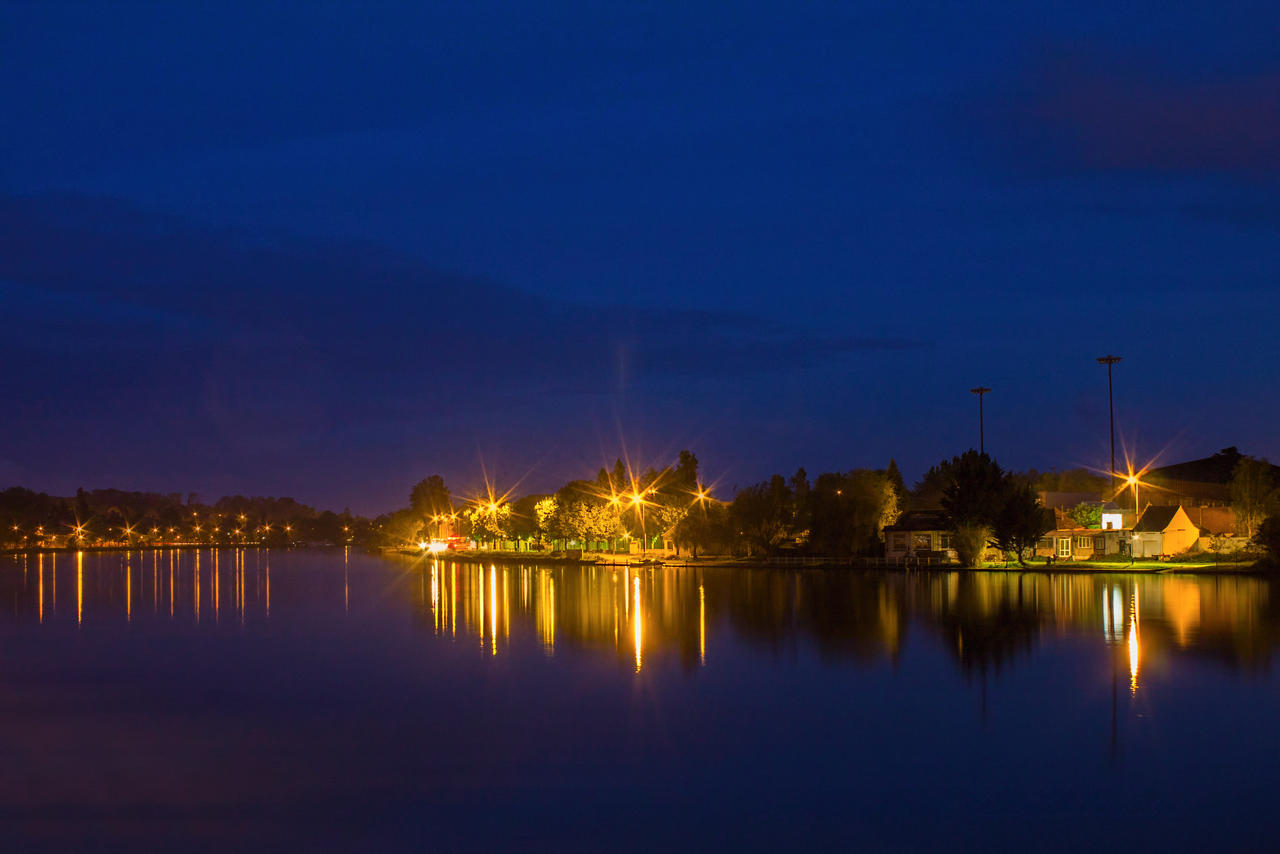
{"points": [[546, 610], [493, 607], [128, 589], [435, 598], [638, 629], [702, 624], [79, 587], [215, 587], [479, 576], [1117, 615], [1134, 644], [195, 587]]}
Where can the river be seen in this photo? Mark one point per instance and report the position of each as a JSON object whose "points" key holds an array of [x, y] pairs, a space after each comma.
{"points": [[308, 700]]}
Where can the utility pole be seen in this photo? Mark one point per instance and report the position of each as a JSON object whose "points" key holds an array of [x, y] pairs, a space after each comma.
{"points": [[980, 391], [1110, 360]]}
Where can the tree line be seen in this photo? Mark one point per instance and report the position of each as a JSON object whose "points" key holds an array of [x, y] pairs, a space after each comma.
{"points": [[111, 517], [840, 513], [836, 514]]}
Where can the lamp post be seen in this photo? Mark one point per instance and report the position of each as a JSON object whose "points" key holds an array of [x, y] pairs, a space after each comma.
{"points": [[637, 501], [980, 391], [1110, 360]]}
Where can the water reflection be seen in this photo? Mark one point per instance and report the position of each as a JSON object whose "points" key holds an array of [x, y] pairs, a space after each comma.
{"points": [[117, 585], [985, 621]]}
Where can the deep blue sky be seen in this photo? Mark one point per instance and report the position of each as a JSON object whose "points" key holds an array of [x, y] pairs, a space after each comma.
{"points": [[325, 250]]}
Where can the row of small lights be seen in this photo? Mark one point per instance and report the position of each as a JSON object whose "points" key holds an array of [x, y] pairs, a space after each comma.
{"points": [[129, 531]]}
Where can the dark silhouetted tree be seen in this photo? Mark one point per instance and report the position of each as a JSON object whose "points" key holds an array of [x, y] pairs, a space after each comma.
{"points": [[765, 514], [1253, 493], [1021, 520], [1268, 537], [430, 497]]}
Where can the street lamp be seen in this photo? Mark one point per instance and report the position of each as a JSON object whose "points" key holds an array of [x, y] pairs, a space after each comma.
{"points": [[980, 391], [1110, 360], [1132, 482]]}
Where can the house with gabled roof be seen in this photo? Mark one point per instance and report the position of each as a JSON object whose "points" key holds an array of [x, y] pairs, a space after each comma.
{"points": [[1069, 540], [919, 533], [1163, 531]]}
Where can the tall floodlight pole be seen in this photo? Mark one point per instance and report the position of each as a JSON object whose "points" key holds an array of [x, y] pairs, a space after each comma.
{"points": [[980, 391], [1110, 360]]}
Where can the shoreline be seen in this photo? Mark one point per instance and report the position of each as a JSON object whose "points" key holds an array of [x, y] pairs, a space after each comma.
{"points": [[184, 547], [1165, 568], [1256, 568]]}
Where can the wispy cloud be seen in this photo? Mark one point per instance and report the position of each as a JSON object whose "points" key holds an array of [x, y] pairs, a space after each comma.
{"points": [[1075, 112]]}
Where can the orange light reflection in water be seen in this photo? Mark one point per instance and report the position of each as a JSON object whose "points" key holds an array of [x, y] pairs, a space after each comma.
{"points": [[638, 629], [1134, 644], [493, 608], [702, 624]]}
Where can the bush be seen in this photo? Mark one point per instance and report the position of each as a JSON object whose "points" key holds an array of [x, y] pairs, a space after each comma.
{"points": [[970, 541]]}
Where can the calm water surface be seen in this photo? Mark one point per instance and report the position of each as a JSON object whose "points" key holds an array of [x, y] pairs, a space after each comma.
{"points": [[322, 700]]}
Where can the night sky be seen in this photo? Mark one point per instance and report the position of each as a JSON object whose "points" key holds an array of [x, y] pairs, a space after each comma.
{"points": [[323, 250]]}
